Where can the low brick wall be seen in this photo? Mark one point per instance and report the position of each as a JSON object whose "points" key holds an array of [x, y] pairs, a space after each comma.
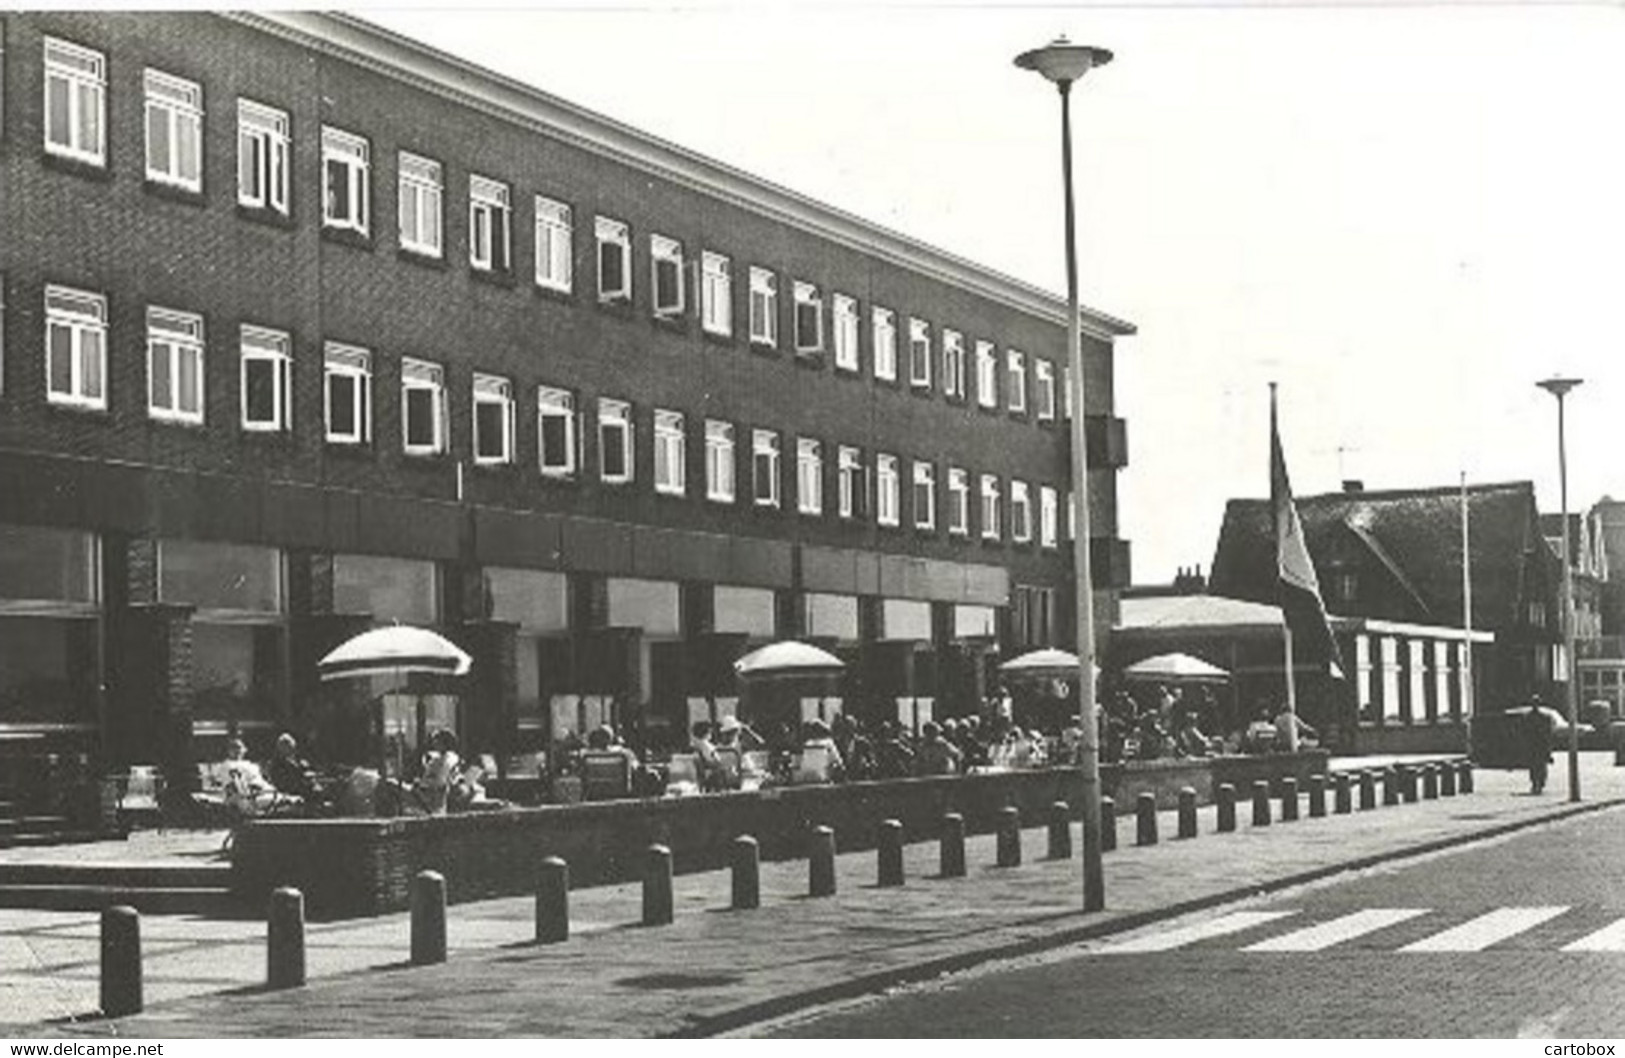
{"points": [[355, 867]]}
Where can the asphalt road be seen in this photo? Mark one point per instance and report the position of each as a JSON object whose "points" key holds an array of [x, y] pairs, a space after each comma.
{"points": [[1519, 937]]}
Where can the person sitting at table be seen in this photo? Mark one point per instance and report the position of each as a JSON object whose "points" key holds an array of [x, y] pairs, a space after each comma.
{"points": [[290, 772], [936, 755], [441, 765], [247, 791], [1189, 741], [712, 775]]}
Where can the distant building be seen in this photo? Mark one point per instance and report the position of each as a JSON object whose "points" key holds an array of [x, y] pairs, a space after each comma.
{"points": [[1601, 656]]}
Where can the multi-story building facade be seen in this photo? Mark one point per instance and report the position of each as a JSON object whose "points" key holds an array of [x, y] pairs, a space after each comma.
{"points": [[307, 327]]}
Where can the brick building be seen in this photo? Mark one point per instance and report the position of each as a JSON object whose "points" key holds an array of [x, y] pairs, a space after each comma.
{"points": [[308, 327]]}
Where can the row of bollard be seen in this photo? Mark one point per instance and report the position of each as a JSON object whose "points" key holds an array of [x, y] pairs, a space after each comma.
{"points": [[121, 976]]}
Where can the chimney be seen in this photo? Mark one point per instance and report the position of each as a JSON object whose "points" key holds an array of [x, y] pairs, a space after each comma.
{"points": [[1353, 485]]}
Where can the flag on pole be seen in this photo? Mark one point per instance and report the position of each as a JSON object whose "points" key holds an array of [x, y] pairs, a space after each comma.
{"points": [[1297, 587]]}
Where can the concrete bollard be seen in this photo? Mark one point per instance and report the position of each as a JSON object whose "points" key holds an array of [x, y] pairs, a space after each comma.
{"points": [[1145, 819], [1447, 779], [1261, 803], [1390, 786], [1108, 824], [1060, 831], [952, 858], [1187, 812], [1009, 841], [285, 939], [1430, 782], [121, 962], [553, 901], [1368, 791], [821, 863], [428, 899], [1226, 794], [889, 854], [1466, 776], [657, 898], [747, 874], [1342, 801], [1317, 796], [1289, 799], [1409, 788]]}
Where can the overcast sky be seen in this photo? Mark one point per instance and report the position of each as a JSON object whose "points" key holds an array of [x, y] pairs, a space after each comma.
{"points": [[1406, 214]]}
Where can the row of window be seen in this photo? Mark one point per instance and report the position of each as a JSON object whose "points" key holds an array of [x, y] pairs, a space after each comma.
{"points": [[75, 86]]}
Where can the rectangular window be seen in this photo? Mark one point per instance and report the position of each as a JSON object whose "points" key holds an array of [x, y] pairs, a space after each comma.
{"points": [[420, 204], [666, 266], [809, 476], [671, 454], [348, 394], [925, 496], [958, 501], [262, 156], [174, 131], [344, 180], [75, 102], [990, 507], [884, 323], [493, 420], [614, 441], [987, 375], [1017, 368], [266, 377], [764, 450], [844, 311], [1044, 375], [556, 431], [764, 307], [719, 461], [1048, 517], [174, 366], [1021, 513], [886, 489], [849, 483], [809, 318], [614, 260], [423, 408], [919, 353], [716, 294], [490, 224], [953, 364], [75, 347], [555, 246]]}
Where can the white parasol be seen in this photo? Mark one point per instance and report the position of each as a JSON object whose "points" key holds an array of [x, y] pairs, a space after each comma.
{"points": [[397, 649]]}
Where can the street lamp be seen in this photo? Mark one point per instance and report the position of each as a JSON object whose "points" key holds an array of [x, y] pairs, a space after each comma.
{"points": [[1559, 388], [1062, 63]]}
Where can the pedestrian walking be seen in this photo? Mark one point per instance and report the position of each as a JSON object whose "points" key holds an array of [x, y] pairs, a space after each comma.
{"points": [[1537, 737]]}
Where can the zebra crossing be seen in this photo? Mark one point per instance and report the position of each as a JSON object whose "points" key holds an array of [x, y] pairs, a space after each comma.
{"points": [[1478, 933]]}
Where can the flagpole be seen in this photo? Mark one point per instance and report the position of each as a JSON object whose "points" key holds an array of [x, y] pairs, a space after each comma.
{"points": [[1286, 626]]}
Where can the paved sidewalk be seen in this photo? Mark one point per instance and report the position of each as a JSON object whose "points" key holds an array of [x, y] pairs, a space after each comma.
{"points": [[713, 970]]}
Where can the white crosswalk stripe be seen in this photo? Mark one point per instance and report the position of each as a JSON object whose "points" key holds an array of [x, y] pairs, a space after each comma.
{"points": [[1338, 930], [1610, 938], [1487, 929], [1168, 940]]}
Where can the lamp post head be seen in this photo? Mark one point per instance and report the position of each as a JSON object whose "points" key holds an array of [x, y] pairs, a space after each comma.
{"points": [[1557, 387], [1062, 61]]}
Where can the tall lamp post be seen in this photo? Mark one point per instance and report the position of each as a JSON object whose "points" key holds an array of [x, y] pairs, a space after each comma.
{"points": [[1062, 62], [1559, 388]]}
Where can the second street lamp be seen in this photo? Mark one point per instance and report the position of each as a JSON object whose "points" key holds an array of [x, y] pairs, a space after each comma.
{"points": [[1559, 388], [1062, 63]]}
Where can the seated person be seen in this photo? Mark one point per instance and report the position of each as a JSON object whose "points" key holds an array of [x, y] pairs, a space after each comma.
{"points": [[816, 735], [247, 791], [712, 775], [291, 773], [936, 755], [1153, 738], [1189, 741], [441, 766], [1307, 736]]}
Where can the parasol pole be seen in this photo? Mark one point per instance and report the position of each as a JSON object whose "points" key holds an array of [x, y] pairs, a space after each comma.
{"points": [[1286, 625]]}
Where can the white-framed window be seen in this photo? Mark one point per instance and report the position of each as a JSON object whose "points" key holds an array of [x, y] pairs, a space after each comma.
{"points": [[420, 204], [262, 156], [919, 353], [174, 109], [991, 497], [555, 246], [809, 318], [671, 454], [809, 476], [849, 483], [883, 323], [886, 489], [953, 364], [1021, 512], [1048, 517], [1044, 377], [764, 462], [556, 442], [958, 501], [423, 407], [764, 307], [987, 375], [1016, 369], [925, 495], [716, 293], [75, 347], [614, 259], [719, 461], [348, 393], [615, 441], [267, 376], [493, 420], [490, 224], [174, 365], [666, 268], [844, 328], [75, 102], [345, 188]]}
